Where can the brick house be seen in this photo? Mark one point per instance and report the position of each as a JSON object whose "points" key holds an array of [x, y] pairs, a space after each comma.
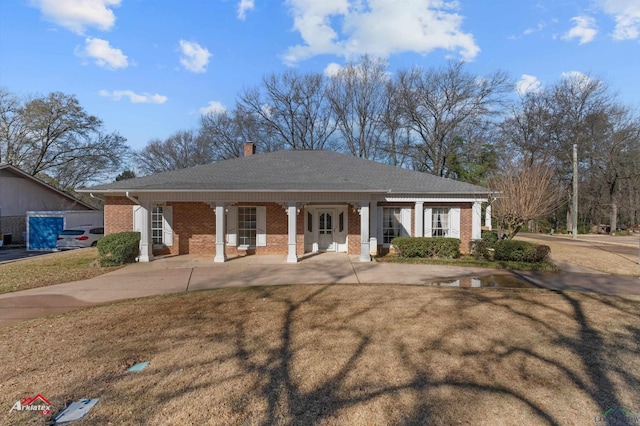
{"points": [[289, 203]]}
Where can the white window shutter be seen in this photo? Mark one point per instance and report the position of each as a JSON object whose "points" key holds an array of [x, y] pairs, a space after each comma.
{"points": [[454, 222], [138, 211], [405, 221], [428, 222], [232, 226], [261, 226], [167, 225]]}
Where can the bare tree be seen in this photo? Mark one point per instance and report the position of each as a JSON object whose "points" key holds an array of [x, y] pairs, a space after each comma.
{"points": [[54, 137], [293, 107], [227, 131], [183, 149], [614, 162], [442, 105], [524, 192], [526, 132], [357, 94], [396, 136]]}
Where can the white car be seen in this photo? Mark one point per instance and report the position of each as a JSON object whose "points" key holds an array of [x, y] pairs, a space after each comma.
{"points": [[80, 237]]}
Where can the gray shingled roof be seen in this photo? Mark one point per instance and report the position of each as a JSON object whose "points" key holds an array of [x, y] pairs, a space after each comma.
{"points": [[294, 171]]}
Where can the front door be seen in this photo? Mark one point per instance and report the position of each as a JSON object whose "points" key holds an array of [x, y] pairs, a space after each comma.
{"points": [[325, 230]]}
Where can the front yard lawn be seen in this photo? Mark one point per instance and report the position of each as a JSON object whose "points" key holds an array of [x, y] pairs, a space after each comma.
{"points": [[55, 268], [333, 355]]}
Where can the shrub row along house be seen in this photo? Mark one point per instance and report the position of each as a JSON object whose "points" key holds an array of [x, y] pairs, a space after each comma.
{"points": [[289, 203]]}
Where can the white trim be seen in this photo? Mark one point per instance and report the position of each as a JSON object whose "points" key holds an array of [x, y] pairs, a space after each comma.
{"points": [[221, 249], [292, 216], [453, 218], [428, 222], [167, 225], [454, 222], [261, 226], [328, 197], [419, 219], [340, 239], [365, 256], [405, 222], [476, 221]]}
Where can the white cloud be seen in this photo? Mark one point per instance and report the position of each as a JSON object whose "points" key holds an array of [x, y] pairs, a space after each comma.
{"points": [[332, 69], [584, 29], [76, 15], [528, 84], [627, 16], [135, 98], [538, 28], [243, 7], [103, 54], [195, 57], [351, 28], [577, 78], [214, 107], [575, 75]]}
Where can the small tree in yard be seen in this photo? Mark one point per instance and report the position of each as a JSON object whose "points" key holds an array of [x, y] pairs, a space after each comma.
{"points": [[525, 193]]}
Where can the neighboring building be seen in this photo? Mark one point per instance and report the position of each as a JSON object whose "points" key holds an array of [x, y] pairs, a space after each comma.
{"points": [[20, 192], [289, 203]]}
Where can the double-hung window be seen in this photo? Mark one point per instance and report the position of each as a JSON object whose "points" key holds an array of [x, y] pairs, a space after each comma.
{"points": [[247, 226], [440, 222], [391, 226], [157, 225]]}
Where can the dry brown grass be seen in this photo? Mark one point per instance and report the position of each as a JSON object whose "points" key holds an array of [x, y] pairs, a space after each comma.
{"points": [[585, 254], [55, 268], [334, 354]]}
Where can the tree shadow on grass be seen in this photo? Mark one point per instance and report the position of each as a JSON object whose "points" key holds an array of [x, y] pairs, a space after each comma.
{"points": [[379, 354]]}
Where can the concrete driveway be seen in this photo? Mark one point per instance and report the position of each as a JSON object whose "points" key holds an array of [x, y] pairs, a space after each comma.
{"points": [[193, 273]]}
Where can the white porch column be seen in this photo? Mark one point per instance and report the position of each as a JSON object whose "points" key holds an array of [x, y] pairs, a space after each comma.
{"points": [[364, 232], [418, 213], [146, 245], [476, 221], [487, 217], [221, 249], [292, 213], [373, 228]]}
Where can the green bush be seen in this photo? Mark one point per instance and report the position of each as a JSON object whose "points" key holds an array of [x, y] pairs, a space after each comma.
{"points": [[118, 249], [480, 249], [490, 237], [427, 247], [521, 251]]}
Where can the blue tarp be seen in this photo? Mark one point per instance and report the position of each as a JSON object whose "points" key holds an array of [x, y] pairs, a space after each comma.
{"points": [[44, 231]]}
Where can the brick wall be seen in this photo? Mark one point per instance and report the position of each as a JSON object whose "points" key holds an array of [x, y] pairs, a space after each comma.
{"points": [[194, 229], [118, 215], [465, 222], [466, 217], [353, 218], [277, 232]]}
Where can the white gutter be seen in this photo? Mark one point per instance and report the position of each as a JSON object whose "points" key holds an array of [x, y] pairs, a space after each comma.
{"points": [[97, 198], [135, 200]]}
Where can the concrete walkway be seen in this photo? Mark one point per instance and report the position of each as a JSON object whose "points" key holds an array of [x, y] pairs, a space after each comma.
{"points": [[192, 273]]}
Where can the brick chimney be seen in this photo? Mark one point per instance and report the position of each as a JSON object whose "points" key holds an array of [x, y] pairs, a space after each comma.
{"points": [[249, 149]]}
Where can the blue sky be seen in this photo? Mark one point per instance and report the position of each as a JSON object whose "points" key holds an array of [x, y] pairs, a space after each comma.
{"points": [[148, 68]]}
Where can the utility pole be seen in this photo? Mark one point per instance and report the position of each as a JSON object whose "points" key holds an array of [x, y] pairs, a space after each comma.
{"points": [[574, 208]]}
